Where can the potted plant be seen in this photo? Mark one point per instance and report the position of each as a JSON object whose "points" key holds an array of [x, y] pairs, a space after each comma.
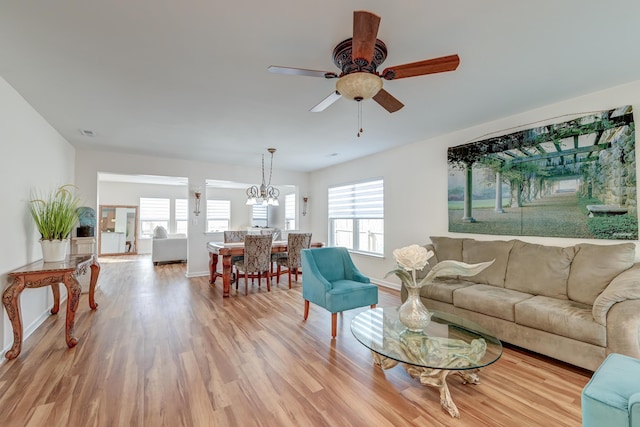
{"points": [[55, 216]]}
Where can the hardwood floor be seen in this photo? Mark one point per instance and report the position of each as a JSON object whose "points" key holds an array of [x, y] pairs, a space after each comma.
{"points": [[164, 350]]}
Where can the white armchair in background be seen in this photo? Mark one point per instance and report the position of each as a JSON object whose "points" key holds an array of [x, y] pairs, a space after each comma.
{"points": [[168, 247]]}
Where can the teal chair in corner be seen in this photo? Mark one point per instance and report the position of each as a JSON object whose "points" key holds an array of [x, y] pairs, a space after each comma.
{"points": [[331, 280], [612, 397]]}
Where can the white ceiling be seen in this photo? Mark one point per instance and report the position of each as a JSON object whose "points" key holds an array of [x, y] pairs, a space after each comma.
{"points": [[188, 79]]}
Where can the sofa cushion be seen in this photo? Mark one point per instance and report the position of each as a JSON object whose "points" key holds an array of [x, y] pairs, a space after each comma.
{"points": [[442, 289], [594, 266], [539, 269], [475, 251], [561, 317], [489, 300], [447, 248]]}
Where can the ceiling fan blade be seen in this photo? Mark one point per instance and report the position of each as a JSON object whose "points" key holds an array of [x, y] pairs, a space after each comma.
{"points": [[325, 103], [365, 31], [387, 101], [301, 72], [428, 66]]}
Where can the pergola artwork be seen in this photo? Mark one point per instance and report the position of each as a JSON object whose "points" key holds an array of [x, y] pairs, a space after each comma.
{"points": [[547, 153]]}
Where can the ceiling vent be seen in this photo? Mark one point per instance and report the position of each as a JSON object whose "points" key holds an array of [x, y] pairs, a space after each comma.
{"points": [[87, 132]]}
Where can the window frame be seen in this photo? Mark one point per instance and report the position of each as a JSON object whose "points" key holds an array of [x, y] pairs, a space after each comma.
{"points": [[290, 206], [179, 219], [154, 220], [352, 204], [260, 221], [211, 205]]}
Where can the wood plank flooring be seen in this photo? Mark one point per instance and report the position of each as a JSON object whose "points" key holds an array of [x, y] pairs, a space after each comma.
{"points": [[165, 350]]}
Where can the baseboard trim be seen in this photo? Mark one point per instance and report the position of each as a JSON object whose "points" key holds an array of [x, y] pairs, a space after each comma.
{"points": [[196, 274], [384, 283]]}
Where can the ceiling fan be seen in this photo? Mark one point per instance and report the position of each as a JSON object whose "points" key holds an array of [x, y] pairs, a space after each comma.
{"points": [[359, 58]]}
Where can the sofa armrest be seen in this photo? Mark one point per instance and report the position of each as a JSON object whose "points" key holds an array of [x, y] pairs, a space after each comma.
{"points": [[624, 286], [420, 274], [623, 328]]}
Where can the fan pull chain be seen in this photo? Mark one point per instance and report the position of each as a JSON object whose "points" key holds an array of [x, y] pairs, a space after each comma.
{"points": [[360, 119]]}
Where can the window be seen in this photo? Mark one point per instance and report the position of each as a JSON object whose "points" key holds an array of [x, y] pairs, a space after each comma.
{"points": [[290, 211], [153, 212], [181, 210], [218, 215], [356, 216], [260, 216]]}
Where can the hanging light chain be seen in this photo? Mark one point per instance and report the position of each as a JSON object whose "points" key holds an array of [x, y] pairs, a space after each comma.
{"points": [[360, 131], [270, 168]]}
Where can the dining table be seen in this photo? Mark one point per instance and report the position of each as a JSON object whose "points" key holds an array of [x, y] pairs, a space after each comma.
{"points": [[232, 249]]}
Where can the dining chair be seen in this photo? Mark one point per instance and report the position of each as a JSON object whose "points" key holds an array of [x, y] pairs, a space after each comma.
{"points": [[275, 234], [235, 236], [256, 261], [231, 236], [292, 261], [331, 280]]}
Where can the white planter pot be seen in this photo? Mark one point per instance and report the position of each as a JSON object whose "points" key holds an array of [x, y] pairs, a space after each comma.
{"points": [[54, 250]]}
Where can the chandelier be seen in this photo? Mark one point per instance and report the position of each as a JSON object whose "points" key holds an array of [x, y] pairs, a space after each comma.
{"points": [[266, 194]]}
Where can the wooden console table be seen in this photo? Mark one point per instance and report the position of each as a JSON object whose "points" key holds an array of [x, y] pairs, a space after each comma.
{"points": [[39, 274]]}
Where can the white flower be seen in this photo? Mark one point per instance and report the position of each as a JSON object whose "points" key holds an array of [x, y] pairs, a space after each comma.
{"points": [[411, 258]]}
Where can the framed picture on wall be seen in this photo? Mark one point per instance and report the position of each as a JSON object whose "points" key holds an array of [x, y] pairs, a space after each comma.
{"points": [[575, 178]]}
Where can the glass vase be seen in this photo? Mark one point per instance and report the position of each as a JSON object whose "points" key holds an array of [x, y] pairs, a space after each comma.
{"points": [[412, 313]]}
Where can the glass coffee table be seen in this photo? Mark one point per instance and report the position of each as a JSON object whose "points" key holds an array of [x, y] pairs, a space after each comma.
{"points": [[449, 344]]}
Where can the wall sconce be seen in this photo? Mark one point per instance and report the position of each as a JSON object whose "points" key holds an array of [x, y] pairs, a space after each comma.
{"points": [[305, 200], [196, 194]]}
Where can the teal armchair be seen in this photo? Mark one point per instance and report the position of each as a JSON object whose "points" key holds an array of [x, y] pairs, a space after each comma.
{"points": [[331, 280], [612, 397]]}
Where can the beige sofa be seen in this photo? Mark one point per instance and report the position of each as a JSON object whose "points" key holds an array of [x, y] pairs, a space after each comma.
{"points": [[575, 304]]}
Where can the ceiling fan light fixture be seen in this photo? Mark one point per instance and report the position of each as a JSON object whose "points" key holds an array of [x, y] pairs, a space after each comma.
{"points": [[359, 85]]}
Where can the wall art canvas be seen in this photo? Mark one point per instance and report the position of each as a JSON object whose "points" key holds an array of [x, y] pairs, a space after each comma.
{"points": [[575, 178]]}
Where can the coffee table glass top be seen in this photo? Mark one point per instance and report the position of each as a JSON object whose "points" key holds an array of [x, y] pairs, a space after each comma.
{"points": [[448, 342]]}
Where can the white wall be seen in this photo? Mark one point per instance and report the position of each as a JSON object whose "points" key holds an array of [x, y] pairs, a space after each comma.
{"points": [[89, 163], [415, 180], [241, 214], [34, 156]]}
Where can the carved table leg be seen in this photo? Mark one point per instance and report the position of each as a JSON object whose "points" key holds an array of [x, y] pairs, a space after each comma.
{"points": [[469, 376], [95, 271], [55, 289], [11, 301], [435, 378], [213, 262], [383, 362], [226, 275], [73, 298]]}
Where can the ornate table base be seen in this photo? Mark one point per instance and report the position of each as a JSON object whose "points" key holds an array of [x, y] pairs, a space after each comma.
{"points": [[39, 274], [432, 377]]}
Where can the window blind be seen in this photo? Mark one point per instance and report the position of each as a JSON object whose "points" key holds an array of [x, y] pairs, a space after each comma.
{"points": [[218, 209], [181, 210], [360, 200], [259, 213], [290, 206], [154, 209]]}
